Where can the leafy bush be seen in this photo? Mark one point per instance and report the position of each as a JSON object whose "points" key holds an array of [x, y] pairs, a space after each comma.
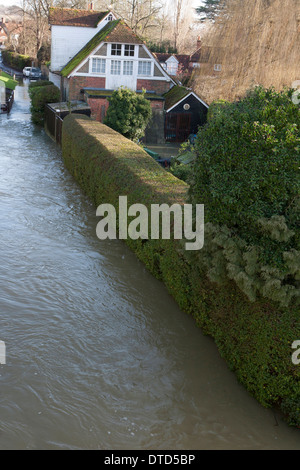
{"points": [[33, 87], [182, 165], [129, 113], [40, 96], [16, 61], [247, 175]]}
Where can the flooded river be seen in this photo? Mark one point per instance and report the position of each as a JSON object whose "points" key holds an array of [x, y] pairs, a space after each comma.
{"points": [[98, 355]]}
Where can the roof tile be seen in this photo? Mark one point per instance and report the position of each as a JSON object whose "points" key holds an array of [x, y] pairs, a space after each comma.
{"points": [[73, 17]]}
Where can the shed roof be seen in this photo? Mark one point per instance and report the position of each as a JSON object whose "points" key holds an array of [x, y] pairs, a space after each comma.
{"points": [[177, 94]]}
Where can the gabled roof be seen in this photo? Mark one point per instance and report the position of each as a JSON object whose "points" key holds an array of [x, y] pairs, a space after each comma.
{"points": [[123, 34], [183, 59], [173, 96], [114, 31], [177, 94], [89, 47], [73, 17]]}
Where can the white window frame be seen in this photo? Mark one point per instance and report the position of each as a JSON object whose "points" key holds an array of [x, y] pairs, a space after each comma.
{"points": [[115, 67], [102, 67], [143, 73], [128, 67], [172, 68], [131, 50], [117, 48], [217, 67]]}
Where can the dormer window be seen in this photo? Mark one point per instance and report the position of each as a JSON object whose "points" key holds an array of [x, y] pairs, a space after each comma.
{"points": [[129, 50], [116, 49]]}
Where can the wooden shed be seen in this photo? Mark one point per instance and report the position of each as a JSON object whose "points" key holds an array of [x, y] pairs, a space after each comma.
{"points": [[185, 112]]}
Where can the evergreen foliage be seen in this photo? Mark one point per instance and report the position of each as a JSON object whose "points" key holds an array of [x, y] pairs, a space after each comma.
{"points": [[247, 174], [16, 61], [210, 9], [129, 113], [42, 93], [255, 338]]}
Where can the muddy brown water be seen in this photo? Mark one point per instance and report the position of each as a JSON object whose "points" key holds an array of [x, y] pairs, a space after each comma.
{"points": [[98, 355]]}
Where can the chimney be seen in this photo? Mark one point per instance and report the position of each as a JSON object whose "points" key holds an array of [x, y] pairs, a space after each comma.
{"points": [[91, 6], [199, 42]]}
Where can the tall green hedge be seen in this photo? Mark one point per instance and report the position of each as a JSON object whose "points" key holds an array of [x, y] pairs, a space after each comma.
{"points": [[16, 61], [42, 93], [255, 338], [248, 176]]}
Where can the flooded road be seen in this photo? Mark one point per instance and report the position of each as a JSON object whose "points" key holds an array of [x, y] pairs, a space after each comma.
{"points": [[98, 355]]}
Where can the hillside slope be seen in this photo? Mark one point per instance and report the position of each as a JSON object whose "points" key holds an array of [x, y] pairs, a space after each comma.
{"points": [[256, 42]]}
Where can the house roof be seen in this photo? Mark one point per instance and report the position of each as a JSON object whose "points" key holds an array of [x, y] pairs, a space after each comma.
{"points": [[122, 33], [113, 31], [177, 94], [174, 95], [73, 17], [195, 56], [183, 59], [89, 47]]}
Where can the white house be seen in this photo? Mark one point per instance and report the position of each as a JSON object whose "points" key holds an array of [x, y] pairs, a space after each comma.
{"points": [[96, 50], [94, 53]]}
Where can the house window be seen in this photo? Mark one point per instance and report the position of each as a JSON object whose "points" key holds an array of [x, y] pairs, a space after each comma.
{"points": [[115, 67], [129, 50], [128, 67], [98, 65], [144, 68], [110, 17], [172, 69], [116, 49], [217, 67]]}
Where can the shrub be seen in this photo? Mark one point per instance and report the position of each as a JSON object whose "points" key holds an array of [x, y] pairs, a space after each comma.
{"points": [[40, 97], [128, 113], [16, 61], [247, 175], [33, 87]]}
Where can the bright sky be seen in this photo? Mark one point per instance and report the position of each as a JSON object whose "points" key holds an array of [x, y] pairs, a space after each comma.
{"points": [[19, 2], [9, 3]]}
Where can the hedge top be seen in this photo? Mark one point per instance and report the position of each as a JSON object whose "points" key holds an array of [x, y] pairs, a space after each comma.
{"points": [[126, 163]]}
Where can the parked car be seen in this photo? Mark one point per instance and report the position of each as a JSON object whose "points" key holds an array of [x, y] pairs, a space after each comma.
{"points": [[32, 72], [26, 71], [35, 73]]}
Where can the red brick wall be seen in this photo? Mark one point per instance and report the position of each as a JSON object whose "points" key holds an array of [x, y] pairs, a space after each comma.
{"points": [[99, 107], [159, 86], [77, 83], [159, 104]]}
